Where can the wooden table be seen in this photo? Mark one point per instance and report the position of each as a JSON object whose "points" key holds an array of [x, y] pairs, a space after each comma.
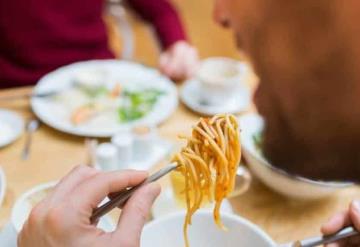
{"points": [[54, 154]]}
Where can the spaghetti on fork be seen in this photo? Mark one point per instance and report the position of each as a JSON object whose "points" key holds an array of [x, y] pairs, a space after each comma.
{"points": [[208, 164]]}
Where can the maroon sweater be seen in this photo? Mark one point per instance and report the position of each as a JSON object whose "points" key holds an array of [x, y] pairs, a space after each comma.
{"points": [[38, 36]]}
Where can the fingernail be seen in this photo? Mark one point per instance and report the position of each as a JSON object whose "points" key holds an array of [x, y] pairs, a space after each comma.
{"points": [[356, 205]]}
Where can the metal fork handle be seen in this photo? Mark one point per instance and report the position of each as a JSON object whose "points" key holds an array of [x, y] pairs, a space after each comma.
{"points": [[317, 241], [28, 95], [26, 150], [121, 197]]}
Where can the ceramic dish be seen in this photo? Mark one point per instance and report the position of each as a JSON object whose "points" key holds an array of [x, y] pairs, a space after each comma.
{"points": [[278, 180], [168, 231], [102, 74], [2, 186], [11, 127]]}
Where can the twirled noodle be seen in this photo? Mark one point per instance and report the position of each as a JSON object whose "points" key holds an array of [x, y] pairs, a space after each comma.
{"points": [[208, 163]]}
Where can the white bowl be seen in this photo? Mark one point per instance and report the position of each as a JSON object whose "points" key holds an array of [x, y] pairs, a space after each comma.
{"points": [[220, 79], [22, 208], [2, 186], [13, 124], [168, 231], [277, 179]]}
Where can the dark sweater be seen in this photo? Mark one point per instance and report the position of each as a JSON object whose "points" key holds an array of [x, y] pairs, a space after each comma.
{"points": [[38, 36]]}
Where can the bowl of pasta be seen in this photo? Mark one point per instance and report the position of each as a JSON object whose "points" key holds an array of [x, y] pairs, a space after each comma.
{"points": [[280, 181], [168, 231]]}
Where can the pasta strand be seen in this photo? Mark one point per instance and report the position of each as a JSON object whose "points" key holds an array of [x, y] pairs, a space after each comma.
{"points": [[208, 164]]}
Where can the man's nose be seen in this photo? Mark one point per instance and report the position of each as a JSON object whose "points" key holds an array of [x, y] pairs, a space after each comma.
{"points": [[219, 14]]}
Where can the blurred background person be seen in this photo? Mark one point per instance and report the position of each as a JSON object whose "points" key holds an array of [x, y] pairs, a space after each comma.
{"points": [[38, 37], [306, 55]]}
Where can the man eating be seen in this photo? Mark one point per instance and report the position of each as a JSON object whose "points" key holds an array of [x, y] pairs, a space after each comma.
{"points": [[306, 55]]}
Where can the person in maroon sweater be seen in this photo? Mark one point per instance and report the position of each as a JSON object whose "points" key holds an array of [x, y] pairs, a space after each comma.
{"points": [[40, 36]]}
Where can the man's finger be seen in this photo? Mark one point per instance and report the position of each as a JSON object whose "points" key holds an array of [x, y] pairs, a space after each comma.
{"points": [[67, 184], [191, 63], [355, 214], [336, 223], [164, 60], [135, 213], [93, 190], [174, 67]]}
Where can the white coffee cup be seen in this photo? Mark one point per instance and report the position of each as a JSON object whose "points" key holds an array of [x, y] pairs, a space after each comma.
{"points": [[220, 79]]}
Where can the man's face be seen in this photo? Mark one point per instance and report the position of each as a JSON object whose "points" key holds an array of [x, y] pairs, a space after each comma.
{"points": [[304, 52], [242, 16]]}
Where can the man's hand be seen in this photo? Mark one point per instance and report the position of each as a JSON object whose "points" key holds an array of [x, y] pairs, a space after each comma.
{"points": [[63, 217], [179, 61], [341, 220]]}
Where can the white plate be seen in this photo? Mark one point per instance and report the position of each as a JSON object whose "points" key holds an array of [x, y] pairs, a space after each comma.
{"points": [[127, 73], [13, 126], [203, 232], [191, 96], [2, 186]]}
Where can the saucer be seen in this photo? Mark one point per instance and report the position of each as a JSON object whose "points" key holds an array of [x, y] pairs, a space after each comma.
{"points": [[166, 204], [11, 127], [191, 96]]}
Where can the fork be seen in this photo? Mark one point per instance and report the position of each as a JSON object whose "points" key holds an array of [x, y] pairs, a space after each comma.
{"points": [[317, 241], [120, 198], [29, 95], [31, 127]]}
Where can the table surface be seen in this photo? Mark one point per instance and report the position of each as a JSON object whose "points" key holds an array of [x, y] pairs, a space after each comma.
{"points": [[53, 153]]}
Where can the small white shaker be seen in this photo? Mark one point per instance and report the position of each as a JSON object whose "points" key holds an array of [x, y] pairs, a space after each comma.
{"points": [[123, 142], [144, 141], [107, 157]]}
